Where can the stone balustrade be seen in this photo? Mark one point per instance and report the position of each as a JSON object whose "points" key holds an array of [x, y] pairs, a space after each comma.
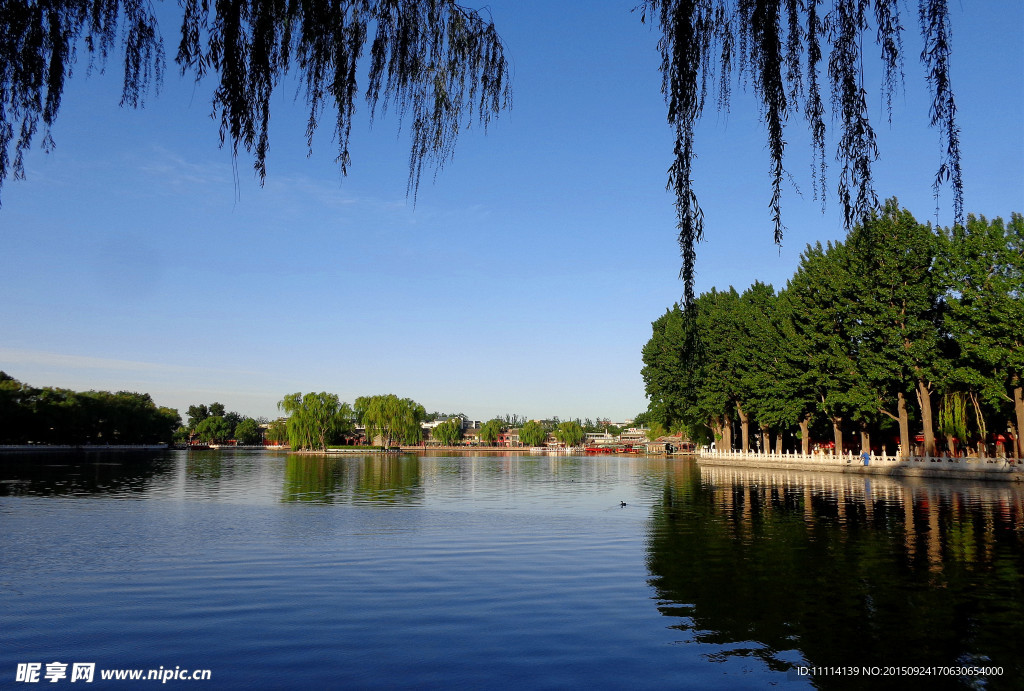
{"points": [[829, 461]]}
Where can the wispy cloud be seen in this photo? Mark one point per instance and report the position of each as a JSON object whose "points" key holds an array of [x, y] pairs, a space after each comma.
{"points": [[175, 171], [38, 358], [176, 385]]}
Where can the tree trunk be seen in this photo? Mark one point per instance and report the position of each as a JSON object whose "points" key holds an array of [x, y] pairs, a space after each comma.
{"points": [[766, 442], [1018, 405], [744, 428], [718, 432], [727, 432], [924, 398], [805, 434], [865, 437], [904, 418], [982, 427], [837, 435], [778, 442]]}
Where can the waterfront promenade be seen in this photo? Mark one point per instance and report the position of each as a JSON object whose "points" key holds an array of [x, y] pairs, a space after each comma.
{"points": [[999, 469]]}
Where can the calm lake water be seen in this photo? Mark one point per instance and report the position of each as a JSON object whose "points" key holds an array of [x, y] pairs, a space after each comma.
{"points": [[276, 571]]}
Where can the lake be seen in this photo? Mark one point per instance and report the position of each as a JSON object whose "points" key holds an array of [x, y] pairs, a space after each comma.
{"points": [[439, 571]]}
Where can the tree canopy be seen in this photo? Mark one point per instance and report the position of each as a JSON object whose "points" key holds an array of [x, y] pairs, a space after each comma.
{"points": [[214, 429], [898, 311], [570, 433], [441, 66], [491, 430], [316, 419], [448, 432], [533, 433], [390, 418], [248, 431], [60, 416]]}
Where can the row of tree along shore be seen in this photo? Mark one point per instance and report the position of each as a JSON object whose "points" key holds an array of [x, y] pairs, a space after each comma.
{"points": [[59, 417], [318, 421], [903, 333]]}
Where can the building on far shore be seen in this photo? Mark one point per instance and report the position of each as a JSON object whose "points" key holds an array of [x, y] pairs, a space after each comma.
{"points": [[633, 435], [600, 439], [509, 438]]}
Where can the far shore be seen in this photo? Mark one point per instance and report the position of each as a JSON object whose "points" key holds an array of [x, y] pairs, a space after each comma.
{"points": [[999, 469]]}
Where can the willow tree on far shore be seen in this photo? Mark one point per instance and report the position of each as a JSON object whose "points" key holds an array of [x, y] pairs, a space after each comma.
{"points": [[441, 67], [391, 418], [448, 432], [490, 431], [533, 433], [316, 419], [570, 433]]}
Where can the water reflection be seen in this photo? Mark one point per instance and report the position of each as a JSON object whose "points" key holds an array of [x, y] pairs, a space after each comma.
{"points": [[82, 474], [831, 570], [370, 479]]}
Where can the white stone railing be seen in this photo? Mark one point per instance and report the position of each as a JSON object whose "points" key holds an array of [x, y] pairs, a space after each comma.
{"points": [[882, 460]]}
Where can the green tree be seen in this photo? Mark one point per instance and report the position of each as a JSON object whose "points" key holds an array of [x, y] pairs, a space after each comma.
{"points": [[953, 418], [449, 432], [982, 275], [233, 418], [669, 372], [196, 414], [895, 326], [822, 302], [214, 429], [569, 433], [248, 432], [490, 431], [165, 424], [316, 419], [277, 431], [391, 418], [767, 374], [533, 433], [656, 430], [62, 416], [685, 387], [15, 409]]}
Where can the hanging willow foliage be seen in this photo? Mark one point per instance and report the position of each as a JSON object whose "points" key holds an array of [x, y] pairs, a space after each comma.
{"points": [[441, 67], [778, 46], [437, 64]]}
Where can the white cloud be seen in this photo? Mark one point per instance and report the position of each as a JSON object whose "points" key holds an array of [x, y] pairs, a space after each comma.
{"points": [[39, 358]]}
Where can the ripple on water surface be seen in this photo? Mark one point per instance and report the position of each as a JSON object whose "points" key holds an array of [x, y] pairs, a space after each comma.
{"points": [[283, 571]]}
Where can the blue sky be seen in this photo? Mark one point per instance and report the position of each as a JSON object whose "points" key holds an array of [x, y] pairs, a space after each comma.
{"points": [[524, 280]]}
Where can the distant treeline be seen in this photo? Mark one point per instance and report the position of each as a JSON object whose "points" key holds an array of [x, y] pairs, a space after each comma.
{"points": [[62, 416], [903, 330]]}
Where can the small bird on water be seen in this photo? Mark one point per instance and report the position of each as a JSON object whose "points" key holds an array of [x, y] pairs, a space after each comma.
{"points": [[622, 503]]}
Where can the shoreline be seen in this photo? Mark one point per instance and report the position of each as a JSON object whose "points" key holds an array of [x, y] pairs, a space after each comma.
{"points": [[82, 448], [978, 469], [984, 469]]}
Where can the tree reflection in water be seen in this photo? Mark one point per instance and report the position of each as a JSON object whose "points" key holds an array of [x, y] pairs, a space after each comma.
{"points": [[833, 570], [373, 479]]}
